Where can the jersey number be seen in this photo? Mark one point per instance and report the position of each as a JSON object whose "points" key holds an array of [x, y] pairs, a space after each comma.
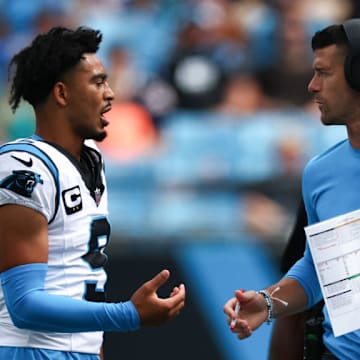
{"points": [[99, 237]]}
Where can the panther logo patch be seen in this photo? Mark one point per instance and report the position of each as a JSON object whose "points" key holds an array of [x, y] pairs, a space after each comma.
{"points": [[22, 182]]}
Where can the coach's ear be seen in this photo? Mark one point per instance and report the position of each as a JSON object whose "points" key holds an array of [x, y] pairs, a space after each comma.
{"points": [[60, 93]]}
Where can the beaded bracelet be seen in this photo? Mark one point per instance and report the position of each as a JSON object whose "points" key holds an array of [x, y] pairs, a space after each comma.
{"points": [[269, 302], [269, 305]]}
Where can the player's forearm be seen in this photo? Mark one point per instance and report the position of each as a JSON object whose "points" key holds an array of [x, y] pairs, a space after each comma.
{"points": [[31, 307]]}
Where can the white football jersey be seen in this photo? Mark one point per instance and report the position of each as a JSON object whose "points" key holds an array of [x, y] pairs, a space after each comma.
{"points": [[43, 177]]}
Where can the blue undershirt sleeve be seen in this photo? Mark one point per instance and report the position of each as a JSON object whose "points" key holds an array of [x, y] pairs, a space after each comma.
{"points": [[31, 307]]}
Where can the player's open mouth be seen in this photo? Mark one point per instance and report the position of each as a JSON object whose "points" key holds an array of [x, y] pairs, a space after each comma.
{"points": [[104, 122]]}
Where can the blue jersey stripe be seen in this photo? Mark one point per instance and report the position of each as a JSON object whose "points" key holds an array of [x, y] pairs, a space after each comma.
{"points": [[19, 353]]}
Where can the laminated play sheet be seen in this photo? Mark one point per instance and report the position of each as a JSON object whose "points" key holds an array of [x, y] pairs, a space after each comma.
{"points": [[335, 247]]}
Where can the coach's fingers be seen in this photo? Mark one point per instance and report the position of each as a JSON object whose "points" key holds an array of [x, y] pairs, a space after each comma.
{"points": [[229, 309], [242, 329]]}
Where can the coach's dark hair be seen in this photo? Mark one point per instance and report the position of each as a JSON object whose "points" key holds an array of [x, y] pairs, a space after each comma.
{"points": [[39, 66], [331, 35]]}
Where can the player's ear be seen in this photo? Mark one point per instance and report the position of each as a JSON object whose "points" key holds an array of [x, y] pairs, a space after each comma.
{"points": [[60, 93]]}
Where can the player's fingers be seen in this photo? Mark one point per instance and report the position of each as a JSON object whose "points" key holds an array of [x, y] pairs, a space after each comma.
{"points": [[176, 309], [178, 298], [174, 291], [158, 280]]}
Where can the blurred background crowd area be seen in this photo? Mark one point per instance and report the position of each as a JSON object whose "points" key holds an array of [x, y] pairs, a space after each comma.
{"points": [[212, 122]]}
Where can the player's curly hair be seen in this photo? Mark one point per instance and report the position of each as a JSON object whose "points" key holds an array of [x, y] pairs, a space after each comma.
{"points": [[35, 69]]}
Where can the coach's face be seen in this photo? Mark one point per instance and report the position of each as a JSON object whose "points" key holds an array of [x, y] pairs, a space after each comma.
{"points": [[89, 98], [337, 101]]}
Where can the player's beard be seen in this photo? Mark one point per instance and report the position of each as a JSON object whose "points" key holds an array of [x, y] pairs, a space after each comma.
{"points": [[100, 136]]}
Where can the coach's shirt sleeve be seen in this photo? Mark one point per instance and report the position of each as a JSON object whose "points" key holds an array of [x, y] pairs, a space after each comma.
{"points": [[303, 271]]}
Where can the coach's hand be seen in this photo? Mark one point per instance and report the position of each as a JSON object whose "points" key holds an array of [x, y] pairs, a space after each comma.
{"points": [[253, 312], [154, 310]]}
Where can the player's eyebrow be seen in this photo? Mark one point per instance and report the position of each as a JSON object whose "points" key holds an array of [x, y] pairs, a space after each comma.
{"points": [[100, 76]]}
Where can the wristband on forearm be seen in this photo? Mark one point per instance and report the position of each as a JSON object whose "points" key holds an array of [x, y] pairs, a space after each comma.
{"points": [[269, 302], [269, 305], [31, 307]]}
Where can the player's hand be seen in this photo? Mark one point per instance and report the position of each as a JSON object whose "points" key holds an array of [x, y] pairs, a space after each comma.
{"points": [[154, 310], [253, 312]]}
